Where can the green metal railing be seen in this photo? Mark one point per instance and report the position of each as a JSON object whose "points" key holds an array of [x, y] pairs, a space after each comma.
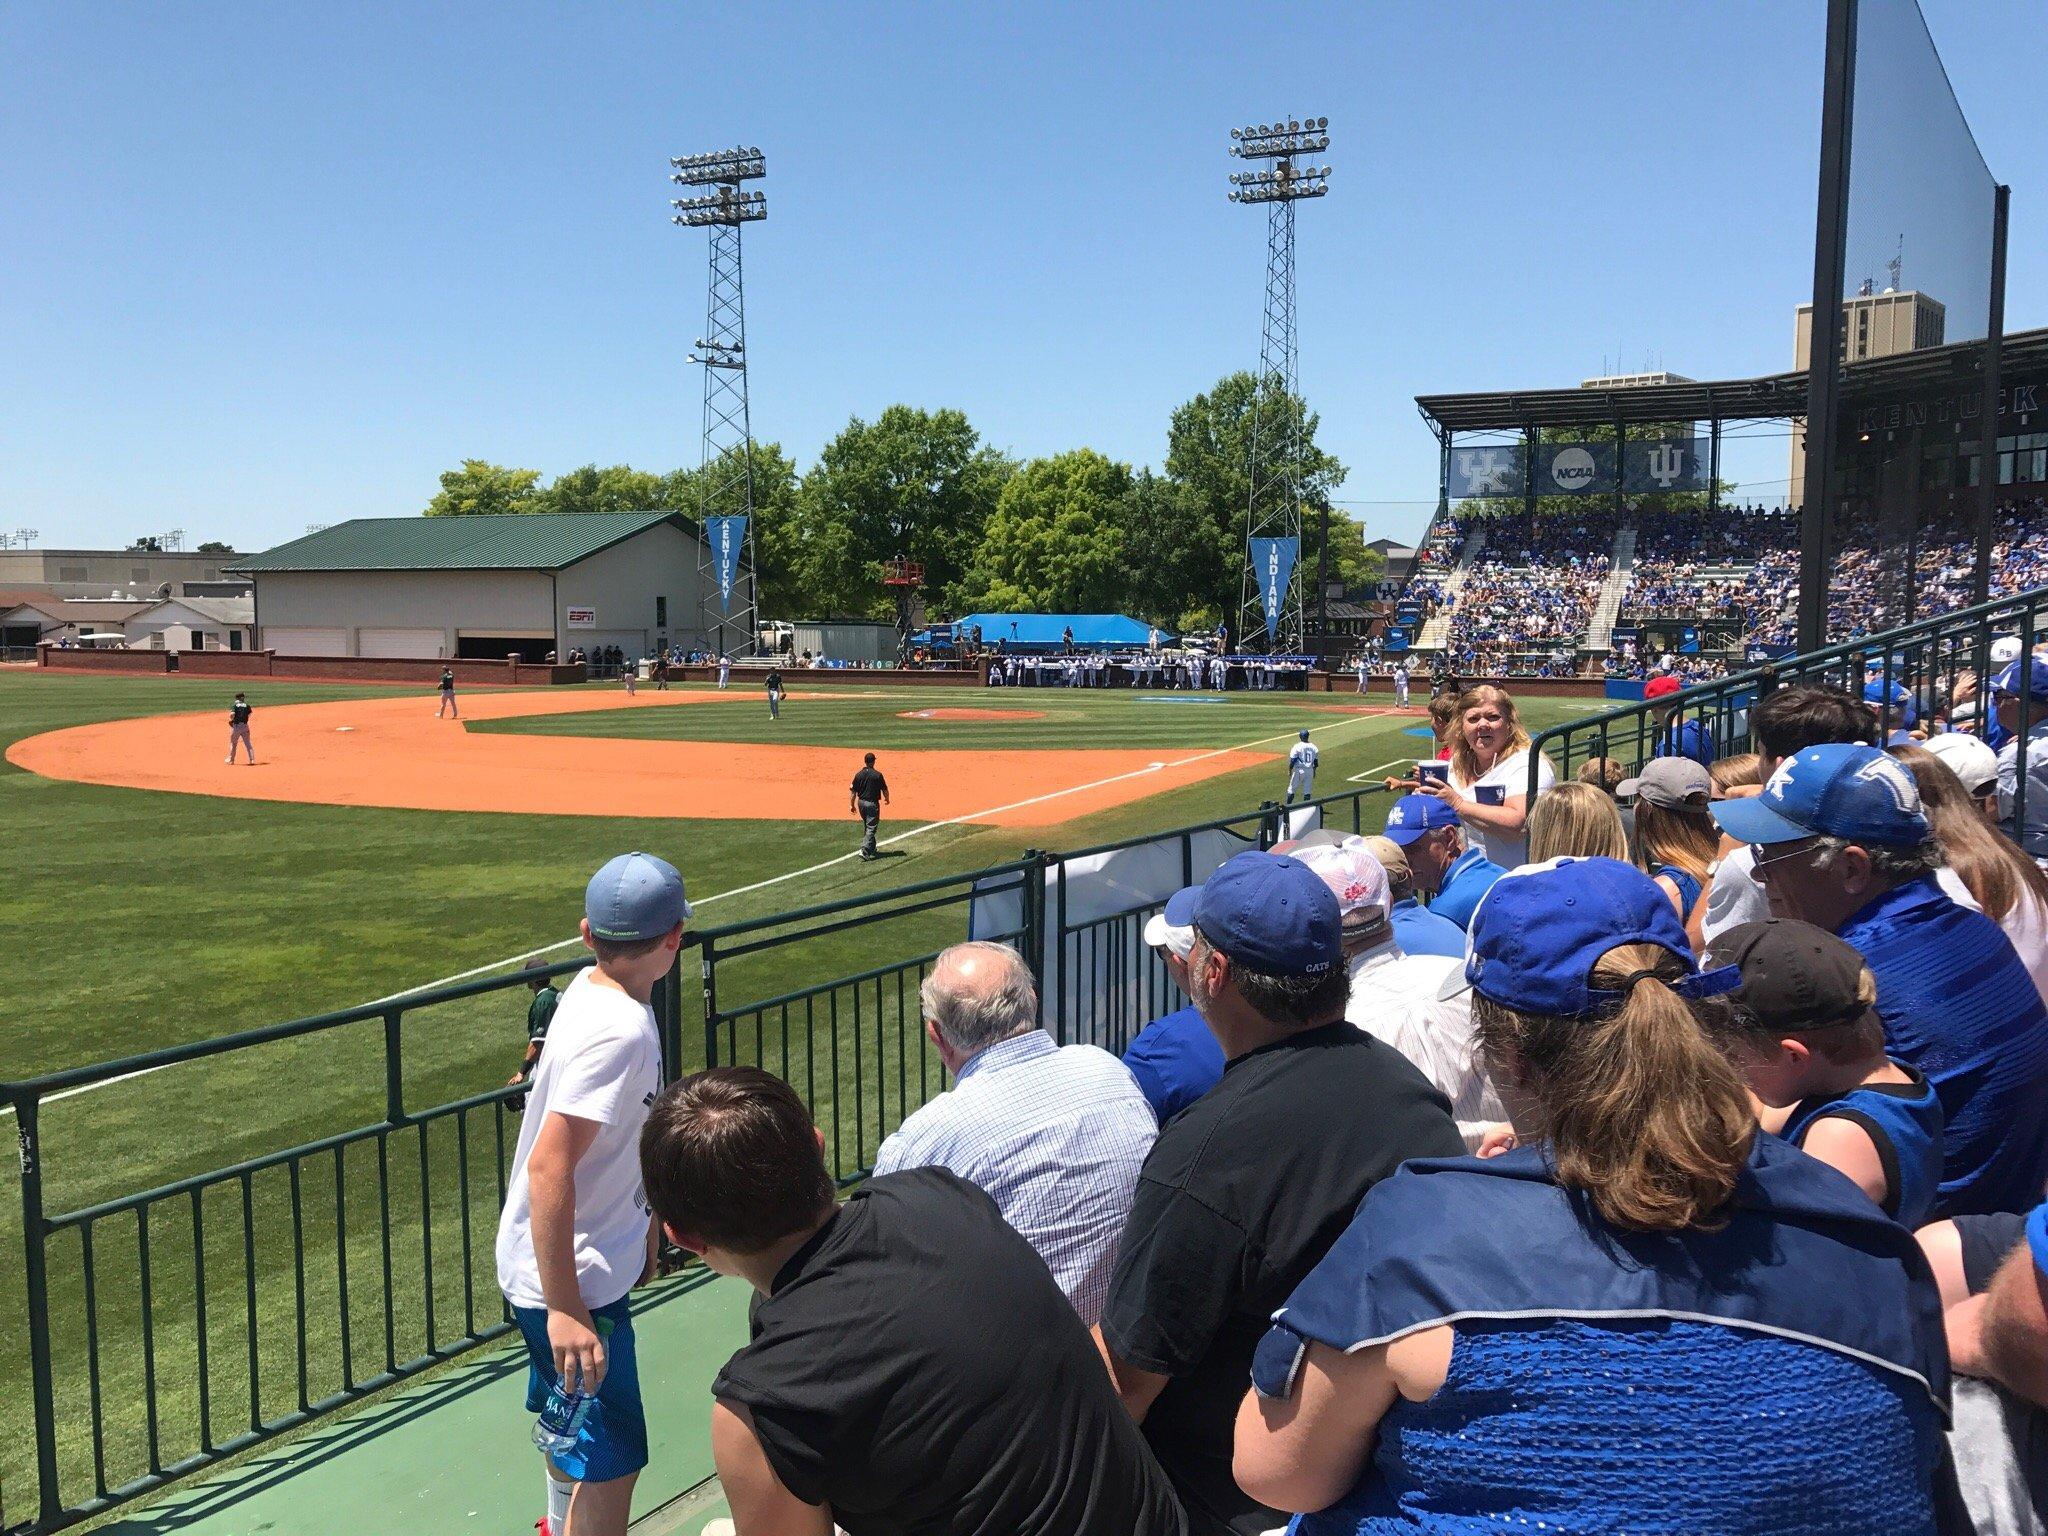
{"points": [[170, 1327], [1929, 659]]}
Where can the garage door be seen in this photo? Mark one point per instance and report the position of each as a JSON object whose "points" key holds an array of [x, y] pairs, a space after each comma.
{"points": [[287, 641], [400, 642]]}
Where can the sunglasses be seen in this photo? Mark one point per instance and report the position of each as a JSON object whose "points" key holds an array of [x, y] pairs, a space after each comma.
{"points": [[1760, 862]]}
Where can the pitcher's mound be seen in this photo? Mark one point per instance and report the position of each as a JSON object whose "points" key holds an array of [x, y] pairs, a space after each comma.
{"points": [[971, 714]]}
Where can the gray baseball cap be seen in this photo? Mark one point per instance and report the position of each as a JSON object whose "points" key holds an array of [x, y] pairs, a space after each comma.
{"points": [[1670, 782], [635, 896]]}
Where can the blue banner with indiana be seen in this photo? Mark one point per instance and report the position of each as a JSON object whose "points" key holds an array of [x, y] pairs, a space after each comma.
{"points": [[728, 536], [1495, 471], [1663, 464], [1273, 562]]}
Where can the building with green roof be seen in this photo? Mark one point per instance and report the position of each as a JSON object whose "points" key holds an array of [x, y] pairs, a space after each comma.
{"points": [[522, 584]]}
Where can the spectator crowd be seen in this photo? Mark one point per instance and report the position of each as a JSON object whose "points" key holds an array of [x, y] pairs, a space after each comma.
{"points": [[1660, 1150]]}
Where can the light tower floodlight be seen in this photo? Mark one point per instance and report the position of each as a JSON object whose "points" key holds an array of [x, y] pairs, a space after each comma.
{"points": [[1273, 507], [725, 549]]}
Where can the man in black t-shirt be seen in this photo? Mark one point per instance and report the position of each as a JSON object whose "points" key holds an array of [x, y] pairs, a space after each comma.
{"points": [[1248, 1187], [914, 1368], [869, 793]]}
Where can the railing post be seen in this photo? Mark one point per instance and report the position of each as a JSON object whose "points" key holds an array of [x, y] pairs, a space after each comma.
{"points": [[1032, 892], [394, 1071], [34, 1236], [710, 977], [668, 1019]]}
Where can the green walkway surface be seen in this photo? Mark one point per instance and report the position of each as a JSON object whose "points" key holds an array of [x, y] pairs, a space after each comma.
{"points": [[451, 1454]]}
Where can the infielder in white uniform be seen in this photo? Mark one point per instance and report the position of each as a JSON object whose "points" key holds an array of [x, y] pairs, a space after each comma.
{"points": [[724, 669], [1301, 770], [1400, 684], [1364, 674]]}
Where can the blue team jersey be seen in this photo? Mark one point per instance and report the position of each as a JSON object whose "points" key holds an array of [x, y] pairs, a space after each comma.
{"points": [[1904, 1121], [1686, 738], [1470, 877], [1175, 1060], [1420, 931]]}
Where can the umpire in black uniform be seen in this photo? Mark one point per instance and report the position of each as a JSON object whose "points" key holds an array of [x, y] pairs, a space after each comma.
{"points": [[869, 794]]}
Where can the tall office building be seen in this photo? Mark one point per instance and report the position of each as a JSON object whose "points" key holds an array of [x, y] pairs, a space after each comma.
{"points": [[1873, 325]]}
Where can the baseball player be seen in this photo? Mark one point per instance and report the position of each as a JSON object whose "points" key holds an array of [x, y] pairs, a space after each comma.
{"points": [[1302, 758], [1400, 684], [724, 669], [774, 682], [1364, 673], [238, 729], [447, 696], [629, 674]]}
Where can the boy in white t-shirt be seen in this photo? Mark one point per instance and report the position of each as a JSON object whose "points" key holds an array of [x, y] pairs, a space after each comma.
{"points": [[575, 1235], [1302, 758]]}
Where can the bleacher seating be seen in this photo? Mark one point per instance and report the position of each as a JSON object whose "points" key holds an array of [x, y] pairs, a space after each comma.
{"points": [[1531, 591]]}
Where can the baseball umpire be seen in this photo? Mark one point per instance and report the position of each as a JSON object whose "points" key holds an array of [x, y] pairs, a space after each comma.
{"points": [[869, 793]]}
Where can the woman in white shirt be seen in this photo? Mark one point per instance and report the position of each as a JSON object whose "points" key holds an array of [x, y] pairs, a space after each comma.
{"points": [[1489, 776]]}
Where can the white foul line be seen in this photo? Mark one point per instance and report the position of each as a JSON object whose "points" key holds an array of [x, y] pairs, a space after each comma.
{"points": [[759, 885]]}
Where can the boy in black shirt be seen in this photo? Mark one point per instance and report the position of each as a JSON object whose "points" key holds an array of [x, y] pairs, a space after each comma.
{"points": [[878, 1393]]}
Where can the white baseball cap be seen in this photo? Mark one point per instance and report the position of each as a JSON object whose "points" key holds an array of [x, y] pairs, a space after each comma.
{"points": [[1968, 758], [1354, 876], [2004, 650], [1173, 929]]}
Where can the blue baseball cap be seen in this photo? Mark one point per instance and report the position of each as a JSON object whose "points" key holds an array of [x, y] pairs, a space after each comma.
{"points": [[2019, 679], [635, 896], [1272, 913], [1413, 817], [1541, 929], [1898, 698], [1833, 790]]}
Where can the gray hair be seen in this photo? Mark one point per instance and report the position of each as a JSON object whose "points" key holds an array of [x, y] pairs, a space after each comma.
{"points": [[1000, 1003], [1888, 861]]}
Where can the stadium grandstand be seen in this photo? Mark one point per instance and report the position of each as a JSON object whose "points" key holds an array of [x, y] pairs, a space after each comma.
{"points": [[1608, 578]]}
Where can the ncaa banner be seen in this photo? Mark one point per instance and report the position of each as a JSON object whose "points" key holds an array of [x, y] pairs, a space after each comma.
{"points": [[1574, 469], [728, 536], [1273, 561], [1493, 471], [1667, 464]]}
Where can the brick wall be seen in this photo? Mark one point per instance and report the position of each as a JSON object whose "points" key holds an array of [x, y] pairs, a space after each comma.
{"points": [[225, 663], [424, 670], [58, 659]]}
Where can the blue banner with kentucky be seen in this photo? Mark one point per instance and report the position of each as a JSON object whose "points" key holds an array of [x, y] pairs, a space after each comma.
{"points": [[1663, 464], [728, 536], [1273, 563], [1495, 471], [1574, 469]]}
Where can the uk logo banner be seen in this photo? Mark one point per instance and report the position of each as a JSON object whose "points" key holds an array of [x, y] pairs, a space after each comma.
{"points": [[1273, 561], [728, 536], [1486, 471]]}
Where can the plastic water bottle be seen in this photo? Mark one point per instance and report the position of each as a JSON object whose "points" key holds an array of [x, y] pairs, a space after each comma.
{"points": [[561, 1418]]}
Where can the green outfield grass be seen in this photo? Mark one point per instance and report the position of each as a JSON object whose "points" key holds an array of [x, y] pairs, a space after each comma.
{"points": [[134, 920]]}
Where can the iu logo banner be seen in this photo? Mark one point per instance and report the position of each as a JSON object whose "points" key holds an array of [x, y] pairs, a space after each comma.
{"points": [[1273, 561], [728, 536], [1486, 471], [1667, 464]]}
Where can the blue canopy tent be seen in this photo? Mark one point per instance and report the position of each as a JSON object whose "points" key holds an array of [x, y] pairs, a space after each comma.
{"points": [[1046, 631]]}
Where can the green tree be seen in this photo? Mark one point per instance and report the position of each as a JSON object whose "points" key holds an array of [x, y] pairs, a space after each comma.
{"points": [[911, 483], [1057, 541], [482, 487], [777, 536], [1208, 455], [616, 488], [1166, 528], [215, 547]]}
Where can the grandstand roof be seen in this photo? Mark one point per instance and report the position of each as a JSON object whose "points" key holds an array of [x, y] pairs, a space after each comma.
{"points": [[530, 541], [1771, 396]]}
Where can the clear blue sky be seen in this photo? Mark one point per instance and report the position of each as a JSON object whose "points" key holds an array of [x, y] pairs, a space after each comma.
{"points": [[269, 265]]}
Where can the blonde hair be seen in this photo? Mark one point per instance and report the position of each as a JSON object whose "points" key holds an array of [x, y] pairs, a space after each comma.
{"points": [[1994, 869], [1578, 819], [1739, 772], [1685, 837], [1464, 762], [1602, 773], [1646, 1117]]}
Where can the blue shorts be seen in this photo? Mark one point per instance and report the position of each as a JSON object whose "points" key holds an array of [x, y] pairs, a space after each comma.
{"points": [[613, 1440]]}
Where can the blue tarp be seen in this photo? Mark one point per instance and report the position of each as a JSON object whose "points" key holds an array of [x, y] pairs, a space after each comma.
{"points": [[1090, 629]]}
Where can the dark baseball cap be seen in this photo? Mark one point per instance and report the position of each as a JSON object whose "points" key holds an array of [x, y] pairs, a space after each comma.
{"points": [[1272, 913], [1795, 976]]}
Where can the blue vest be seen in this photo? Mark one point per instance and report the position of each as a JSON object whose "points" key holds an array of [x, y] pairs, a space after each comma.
{"points": [[1904, 1120], [1688, 887], [1958, 1004], [1807, 1294]]}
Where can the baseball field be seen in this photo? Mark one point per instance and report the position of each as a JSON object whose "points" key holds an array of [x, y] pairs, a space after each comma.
{"points": [[158, 896]]}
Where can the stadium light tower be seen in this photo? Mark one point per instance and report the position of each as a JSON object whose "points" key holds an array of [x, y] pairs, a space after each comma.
{"points": [[1281, 178], [725, 553]]}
